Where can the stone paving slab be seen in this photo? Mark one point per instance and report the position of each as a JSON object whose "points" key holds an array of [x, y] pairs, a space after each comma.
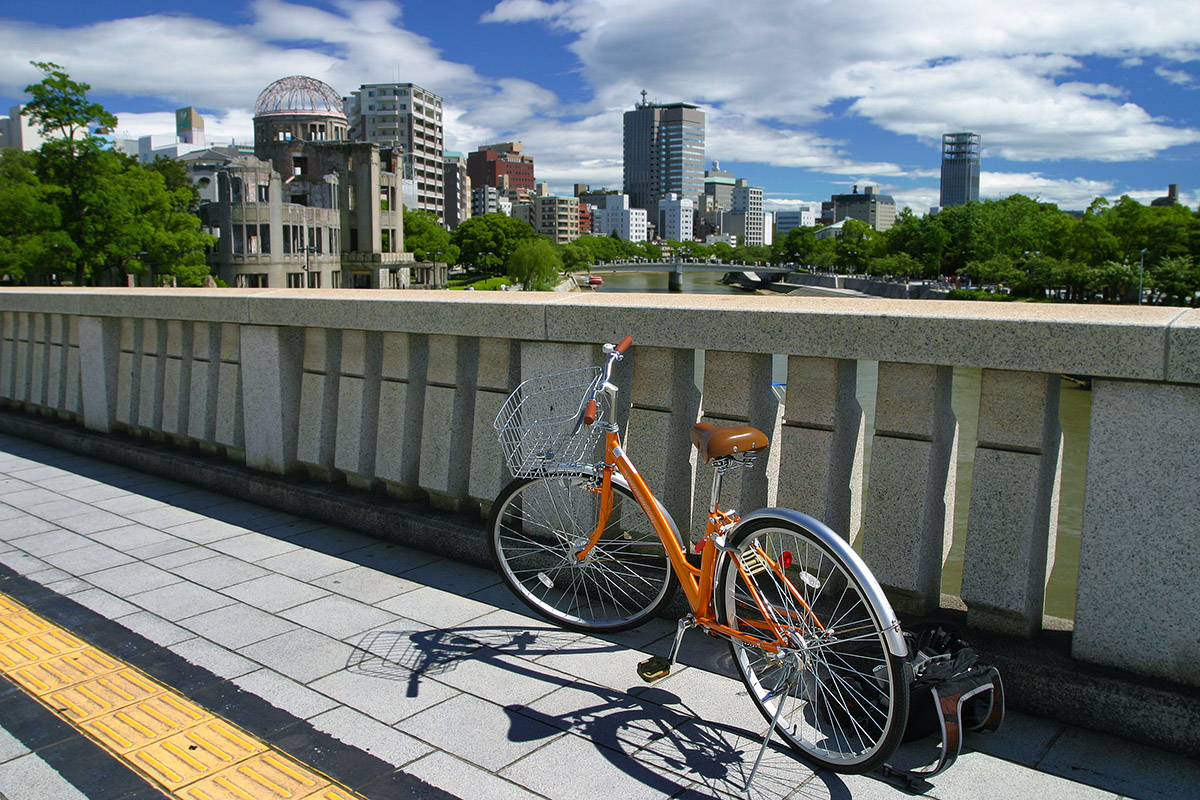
{"points": [[435, 668]]}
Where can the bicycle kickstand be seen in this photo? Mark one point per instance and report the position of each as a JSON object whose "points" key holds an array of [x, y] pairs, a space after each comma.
{"points": [[656, 667], [781, 688]]}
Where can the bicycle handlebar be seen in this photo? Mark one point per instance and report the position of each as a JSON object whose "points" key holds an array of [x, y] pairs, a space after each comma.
{"points": [[613, 353]]}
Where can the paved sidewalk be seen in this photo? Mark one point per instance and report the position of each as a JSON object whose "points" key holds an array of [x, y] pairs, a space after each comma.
{"points": [[408, 676]]}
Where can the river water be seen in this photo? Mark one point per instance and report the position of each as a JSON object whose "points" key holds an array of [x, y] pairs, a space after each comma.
{"points": [[1074, 413]]}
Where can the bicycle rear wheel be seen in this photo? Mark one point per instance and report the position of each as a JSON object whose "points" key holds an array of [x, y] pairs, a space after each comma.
{"points": [[538, 527], [844, 695]]}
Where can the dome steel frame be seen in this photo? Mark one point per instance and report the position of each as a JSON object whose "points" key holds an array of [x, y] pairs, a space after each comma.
{"points": [[299, 94]]}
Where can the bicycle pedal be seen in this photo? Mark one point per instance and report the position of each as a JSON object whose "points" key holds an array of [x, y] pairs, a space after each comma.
{"points": [[654, 668]]}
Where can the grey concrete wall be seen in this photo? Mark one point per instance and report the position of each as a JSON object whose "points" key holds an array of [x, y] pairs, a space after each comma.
{"points": [[396, 392]]}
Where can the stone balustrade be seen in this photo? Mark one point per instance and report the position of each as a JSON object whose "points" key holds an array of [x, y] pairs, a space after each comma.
{"points": [[396, 392]]}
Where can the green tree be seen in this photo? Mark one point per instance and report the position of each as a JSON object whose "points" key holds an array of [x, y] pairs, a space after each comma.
{"points": [[72, 158], [1174, 280], [855, 245], [485, 242], [425, 237], [797, 247], [536, 264], [28, 219]]}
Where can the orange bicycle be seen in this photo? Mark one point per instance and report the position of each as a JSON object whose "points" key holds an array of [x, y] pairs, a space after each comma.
{"points": [[581, 539]]}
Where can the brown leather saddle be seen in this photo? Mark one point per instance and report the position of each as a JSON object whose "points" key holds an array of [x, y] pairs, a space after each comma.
{"points": [[715, 441]]}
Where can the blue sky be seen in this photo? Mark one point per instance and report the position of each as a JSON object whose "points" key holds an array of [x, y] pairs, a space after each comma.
{"points": [[805, 98]]}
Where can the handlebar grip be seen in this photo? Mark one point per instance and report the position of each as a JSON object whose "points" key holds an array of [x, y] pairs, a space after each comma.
{"points": [[589, 413], [624, 345]]}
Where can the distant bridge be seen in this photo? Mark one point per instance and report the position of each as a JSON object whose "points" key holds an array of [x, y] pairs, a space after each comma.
{"points": [[675, 267]]}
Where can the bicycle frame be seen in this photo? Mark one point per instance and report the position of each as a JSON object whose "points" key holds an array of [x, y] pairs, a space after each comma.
{"points": [[698, 582]]}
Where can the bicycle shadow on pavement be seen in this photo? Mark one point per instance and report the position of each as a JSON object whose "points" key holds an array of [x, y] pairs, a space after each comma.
{"points": [[653, 736]]}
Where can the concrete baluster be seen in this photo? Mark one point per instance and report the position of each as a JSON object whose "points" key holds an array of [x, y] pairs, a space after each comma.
{"points": [[151, 354], [204, 383], [821, 443], [73, 389], [271, 358], [231, 424], [1139, 558], [358, 407], [23, 344], [665, 403], [8, 353], [38, 361], [100, 356], [56, 362], [737, 391], [448, 420], [177, 378], [401, 411], [317, 420], [1013, 521], [499, 373], [129, 373], [908, 513]]}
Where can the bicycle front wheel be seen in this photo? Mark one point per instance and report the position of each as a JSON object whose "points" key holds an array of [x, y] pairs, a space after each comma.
{"points": [[539, 528], [840, 694]]}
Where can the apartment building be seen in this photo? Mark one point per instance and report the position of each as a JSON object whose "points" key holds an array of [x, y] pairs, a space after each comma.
{"points": [[408, 119]]}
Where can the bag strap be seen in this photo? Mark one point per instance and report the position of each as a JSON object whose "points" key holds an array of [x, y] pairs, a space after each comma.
{"points": [[950, 697]]}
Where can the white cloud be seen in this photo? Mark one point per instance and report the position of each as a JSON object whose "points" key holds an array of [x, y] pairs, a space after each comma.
{"points": [[524, 11], [1178, 77], [775, 78]]}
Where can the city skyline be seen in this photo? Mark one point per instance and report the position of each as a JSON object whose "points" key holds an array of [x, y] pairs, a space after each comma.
{"points": [[803, 99]]}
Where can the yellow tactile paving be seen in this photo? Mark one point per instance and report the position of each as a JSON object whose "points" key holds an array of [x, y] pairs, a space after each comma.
{"points": [[180, 747]]}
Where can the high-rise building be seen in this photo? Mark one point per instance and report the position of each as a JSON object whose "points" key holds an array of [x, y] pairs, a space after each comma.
{"points": [[877, 210], [614, 215], [675, 217], [664, 152], [458, 189], [745, 219], [407, 118], [503, 165], [960, 169], [785, 221]]}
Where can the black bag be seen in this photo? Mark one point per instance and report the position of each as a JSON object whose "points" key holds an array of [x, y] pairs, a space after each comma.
{"points": [[951, 691]]}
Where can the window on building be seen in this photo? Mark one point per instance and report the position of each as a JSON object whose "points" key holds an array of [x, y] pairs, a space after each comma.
{"points": [[264, 238], [239, 240], [354, 240], [252, 280], [335, 279], [264, 193], [299, 165], [314, 280], [385, 236], [295, 280], [235, 188]]}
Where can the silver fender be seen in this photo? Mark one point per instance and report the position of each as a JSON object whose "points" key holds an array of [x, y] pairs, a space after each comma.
{"points": [[853, 561]]}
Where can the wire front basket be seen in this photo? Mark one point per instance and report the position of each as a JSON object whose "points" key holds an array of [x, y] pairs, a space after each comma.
{"points": [[540, 424]]}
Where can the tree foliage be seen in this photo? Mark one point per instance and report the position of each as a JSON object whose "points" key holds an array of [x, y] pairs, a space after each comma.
{"points": [[485, 242], [536, 264], [78, 209], [426, 239], [1037, 250]]}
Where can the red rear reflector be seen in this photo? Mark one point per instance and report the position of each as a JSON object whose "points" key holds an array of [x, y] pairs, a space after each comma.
{"points": [[785, 559]]}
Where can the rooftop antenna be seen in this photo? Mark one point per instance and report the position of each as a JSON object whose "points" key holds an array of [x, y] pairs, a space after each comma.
{"points": [[644, 102]]}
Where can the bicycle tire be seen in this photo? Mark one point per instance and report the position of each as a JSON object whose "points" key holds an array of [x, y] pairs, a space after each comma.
{"points": [[537, 526], [847, 703]]}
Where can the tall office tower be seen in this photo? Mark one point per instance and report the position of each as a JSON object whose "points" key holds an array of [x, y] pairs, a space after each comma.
{"points": [[664, 152], [408, 118], [458, 189], [503, 165], [960, 169]]}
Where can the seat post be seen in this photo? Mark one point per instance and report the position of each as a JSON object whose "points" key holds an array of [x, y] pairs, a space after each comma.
{"points": [[716, 490]]}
